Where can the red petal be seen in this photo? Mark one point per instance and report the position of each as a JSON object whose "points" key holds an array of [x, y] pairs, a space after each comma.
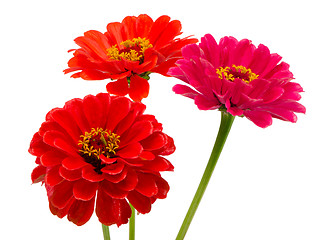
{"points": [[61, 194], [143, 25], [112, 190], [70, 175], [158, 164], [52, 158], [52, 177], [91, 74], [149, 62], [139, 202], [139, 88], [158, 26], [154, 141], [66, 121], [130, 182], [168, 149], [61, 212], [75, 106], [37, 146], [117, 177], [81, 211], [113, 169], [72, 163], [89, 174], [118, 87], [129, 24], [114, 33], [146, 185], [145, 155], [90, 43], [130, 151], [84, 190], [118, 110], [137, 110], [170, 32], [107, 160], [38, 174], [120, 75], [136, 133], [93, 110], [163, 188], [112, 211]]}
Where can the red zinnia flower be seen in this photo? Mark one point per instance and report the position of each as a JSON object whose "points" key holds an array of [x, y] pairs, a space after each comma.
{"points": [[239, 78], [103, 151], [128, 52]]}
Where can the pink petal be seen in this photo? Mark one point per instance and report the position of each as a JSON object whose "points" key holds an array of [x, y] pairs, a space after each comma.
{"points": [[204, 103], [260, 118], [185, 91]]}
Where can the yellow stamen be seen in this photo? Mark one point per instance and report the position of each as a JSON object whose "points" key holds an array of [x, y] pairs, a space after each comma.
{"points": [[98, 142], [132, 53], [241, 72]]}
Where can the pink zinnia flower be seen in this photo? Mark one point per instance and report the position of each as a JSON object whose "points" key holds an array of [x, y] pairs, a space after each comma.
{"points": [[240, 78]]}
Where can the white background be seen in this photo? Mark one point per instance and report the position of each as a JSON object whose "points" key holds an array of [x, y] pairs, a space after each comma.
{"points": [[274, 183]]}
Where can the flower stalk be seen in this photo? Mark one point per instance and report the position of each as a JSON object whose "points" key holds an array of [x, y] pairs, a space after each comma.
{"points": [[225, 126], [132, 223], [105, 230]]}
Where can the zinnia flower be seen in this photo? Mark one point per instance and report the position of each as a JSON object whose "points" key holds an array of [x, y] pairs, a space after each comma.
{"points": [[101, 151], [237, 77], [128, 52]]}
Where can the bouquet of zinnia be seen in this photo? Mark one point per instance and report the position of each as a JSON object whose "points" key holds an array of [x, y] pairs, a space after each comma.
{"points": [[102, 153]]}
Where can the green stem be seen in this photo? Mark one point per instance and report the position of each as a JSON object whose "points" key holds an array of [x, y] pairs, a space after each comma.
{"points": [[105, 231], [225, 126], [132, 224]]}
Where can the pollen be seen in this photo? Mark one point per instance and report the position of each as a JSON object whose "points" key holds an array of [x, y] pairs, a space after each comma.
{"points": [[133, 50], [99, 142], [241, 72]]}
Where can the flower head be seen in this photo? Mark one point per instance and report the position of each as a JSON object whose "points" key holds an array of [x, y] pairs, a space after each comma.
{"points": [[101, 152], [128, 52], [240, 78]]}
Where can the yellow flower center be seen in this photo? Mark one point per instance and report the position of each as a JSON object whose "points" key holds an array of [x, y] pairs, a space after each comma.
{"points": [[241, 72], [133, 49], [96, 143]]}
